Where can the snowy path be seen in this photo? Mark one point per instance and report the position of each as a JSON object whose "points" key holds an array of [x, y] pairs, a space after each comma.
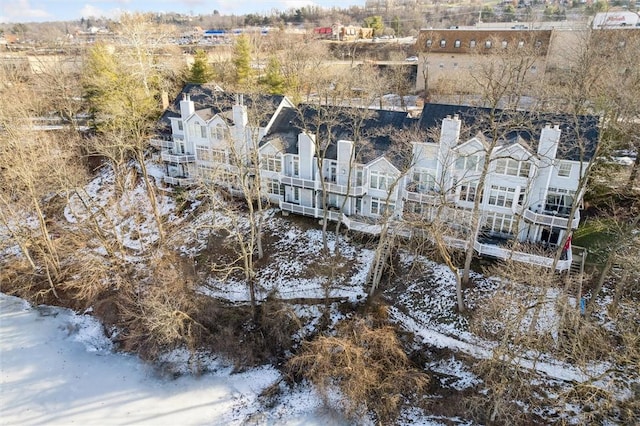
{"points": [[57, 369], [555, 370]]}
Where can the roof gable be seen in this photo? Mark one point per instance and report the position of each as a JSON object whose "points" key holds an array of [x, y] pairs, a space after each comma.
{"points": [[472, 146], [526, 125], [516, 151], [260, 108], [383, 164]]}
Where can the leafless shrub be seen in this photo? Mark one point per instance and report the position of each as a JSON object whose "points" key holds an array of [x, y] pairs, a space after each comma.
{"points": [[85, 280], [161, 314], [278, 323], [367, 364], [508, 387]]}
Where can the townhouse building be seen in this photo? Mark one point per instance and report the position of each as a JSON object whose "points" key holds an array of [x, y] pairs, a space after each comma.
{"points": [[371, 168], [209, 134]]}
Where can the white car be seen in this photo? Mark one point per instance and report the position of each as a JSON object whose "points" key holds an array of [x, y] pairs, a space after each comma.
{"points": [[412, 59]]}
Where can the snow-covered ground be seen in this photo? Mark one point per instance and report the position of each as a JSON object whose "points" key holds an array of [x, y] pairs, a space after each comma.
{"points": [[57, 368]]}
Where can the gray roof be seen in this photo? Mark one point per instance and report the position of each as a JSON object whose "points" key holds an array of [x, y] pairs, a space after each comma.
{"points": [[208, 102], [578, 140], [374, 132]]}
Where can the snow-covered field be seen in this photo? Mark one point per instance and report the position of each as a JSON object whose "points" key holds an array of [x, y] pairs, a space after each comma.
{"points": [[57, 368]]}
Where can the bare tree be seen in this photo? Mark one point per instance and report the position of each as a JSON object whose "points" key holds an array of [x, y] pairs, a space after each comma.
{"points": [[240, 175], [123, 109], [503, 79]]}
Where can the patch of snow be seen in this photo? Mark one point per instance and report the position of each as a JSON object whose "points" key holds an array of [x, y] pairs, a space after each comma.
{"points": [[48, 376], [459, 376]]}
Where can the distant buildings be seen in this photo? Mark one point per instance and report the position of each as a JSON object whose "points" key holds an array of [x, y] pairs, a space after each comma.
{"points": [[343, 32], [455, 53], [452, 56]]}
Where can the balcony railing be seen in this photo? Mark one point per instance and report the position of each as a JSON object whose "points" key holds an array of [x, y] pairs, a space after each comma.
{"points": [[161, 143], [353, 190], [298, 209], [549, 219], [172, 157], [355, 223], [373, 227], [519, 256], [299, 182], [179, 180]]}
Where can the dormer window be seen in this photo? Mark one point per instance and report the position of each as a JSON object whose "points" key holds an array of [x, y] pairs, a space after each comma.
{"points": [[487, 44], [217, 132], [472, 44], [565, 169], [180, 125], [511, 167], [443, 43], [429, 43], [457, 43], [504, 44]]}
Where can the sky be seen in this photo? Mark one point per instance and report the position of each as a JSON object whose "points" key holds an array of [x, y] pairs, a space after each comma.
{"points": [[65, 10]]}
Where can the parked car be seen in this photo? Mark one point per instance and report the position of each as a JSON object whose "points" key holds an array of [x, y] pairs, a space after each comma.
{"points": [[412, 59]]}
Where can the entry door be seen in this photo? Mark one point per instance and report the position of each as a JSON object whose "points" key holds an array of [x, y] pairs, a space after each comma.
{"points": [[550, 236]]}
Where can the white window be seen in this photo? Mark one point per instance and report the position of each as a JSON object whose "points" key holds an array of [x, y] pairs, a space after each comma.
{"points": [[381, 180], [180, 125], [203, 153], [504, 44], [296, 166], [429, 43], [487, 44], [500, 223], [521, 43], [443, 43], [274, 187], [472, 44], [414, 207], [468, 192], [559, 200], [206, 173], [457, 43], [501, 196], [203, 132], [272, 163], [218, 156], [511, 167], [217, 132], [565, 169], [380, 207], [471, 163], [359, 177], [423, 181]]}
